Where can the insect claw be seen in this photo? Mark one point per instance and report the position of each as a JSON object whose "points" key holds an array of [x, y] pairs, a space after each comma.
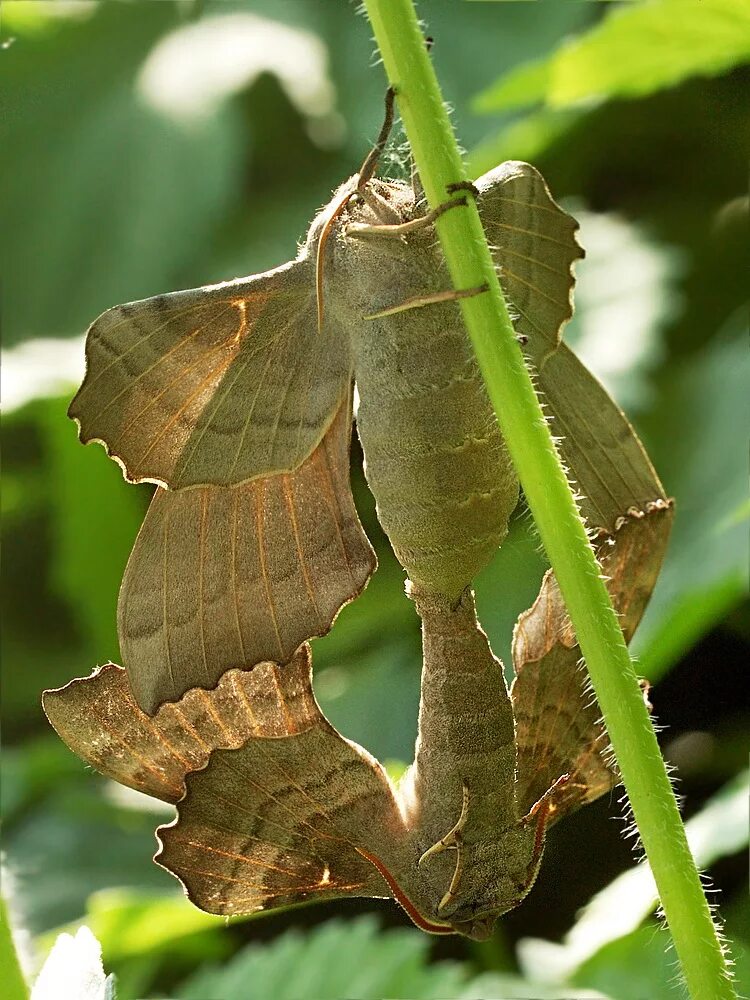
{"points": [[463, 186]]}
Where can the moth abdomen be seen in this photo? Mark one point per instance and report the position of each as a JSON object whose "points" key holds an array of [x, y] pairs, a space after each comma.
{"points": [[435, 460]]}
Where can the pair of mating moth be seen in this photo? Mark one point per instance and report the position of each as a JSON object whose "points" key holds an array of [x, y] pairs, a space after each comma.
{"points": [[236, 400]]}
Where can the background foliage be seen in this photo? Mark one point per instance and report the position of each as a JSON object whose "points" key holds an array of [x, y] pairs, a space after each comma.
{"points": [[150, 146]]}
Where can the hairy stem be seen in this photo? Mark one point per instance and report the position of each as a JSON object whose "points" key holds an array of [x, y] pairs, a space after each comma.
{"points": [[552, 504]]}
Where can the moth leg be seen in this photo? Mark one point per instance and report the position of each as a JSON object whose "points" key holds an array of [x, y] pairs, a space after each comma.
{"points": [[463, 186], [452, 841], [417, 301], [399, 229]]}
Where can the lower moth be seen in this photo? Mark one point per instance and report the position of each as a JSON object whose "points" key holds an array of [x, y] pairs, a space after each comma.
{"points": [[276, 808]]}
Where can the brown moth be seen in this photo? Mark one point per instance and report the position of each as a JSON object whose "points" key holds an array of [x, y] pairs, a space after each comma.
{"points": [[226, 387], [276, 808], [296, 812], [221, 577], [282, 809]]}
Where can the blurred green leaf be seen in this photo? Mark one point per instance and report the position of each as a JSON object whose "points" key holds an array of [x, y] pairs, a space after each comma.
{"points": [[641, 964], [693, 442], [10, 967], [95, 517], [100, 181], [625, 294], [73, 843], [357, 961], [637, 49], [74, 970], [32, 772], [526, 138], [352, 960], [134, 922], [491, 986]]}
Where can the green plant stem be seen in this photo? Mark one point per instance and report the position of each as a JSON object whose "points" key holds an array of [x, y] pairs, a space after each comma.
{"points": [[10, 969], [552, 504]]}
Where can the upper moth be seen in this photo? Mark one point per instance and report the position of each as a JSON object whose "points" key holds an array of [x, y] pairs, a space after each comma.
{"points": [[236, 397]]}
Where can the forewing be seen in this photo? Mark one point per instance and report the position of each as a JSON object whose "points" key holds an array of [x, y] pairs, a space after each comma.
{"points": [[224, 577], [558, 720], [216, 385], [608, 466], [99, 720], [533, 243], [281, 821]]}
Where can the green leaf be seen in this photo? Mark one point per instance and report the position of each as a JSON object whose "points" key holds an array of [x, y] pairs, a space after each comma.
{"points": [[131, 923], [100, 179], [641, 964], [73, 843], [693, 442], [339, 959], [74, 969], [637, 49], [492, 986], [96, 516], [10, 966]]}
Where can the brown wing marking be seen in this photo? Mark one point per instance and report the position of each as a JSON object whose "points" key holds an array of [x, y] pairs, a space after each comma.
{"points": [[283, 821], [214, 385], [534, 246], [558, 720], [241, 575], [100, 721]]}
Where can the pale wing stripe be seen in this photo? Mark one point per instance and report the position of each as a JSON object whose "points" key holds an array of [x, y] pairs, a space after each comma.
{"points": [[264, 567], [164, 579], [535, 288], [531, 232], [233, 557], [245, 358], [333, 505], [242, 857], [190, 728], [154, 399], [205, 498], [278, 341], [533, 205], [289, 498], [178, 413], [565, 273]]}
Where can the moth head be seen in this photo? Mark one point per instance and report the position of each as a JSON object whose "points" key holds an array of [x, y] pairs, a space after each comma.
{"points": [[502, 874], [328, 216]]}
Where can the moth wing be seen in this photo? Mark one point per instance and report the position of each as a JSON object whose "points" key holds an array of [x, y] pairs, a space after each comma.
{"points": [[608, 465], [100, 721], [281, 821], [224, 577], [558, 720], [534, 245], [215, 385]]}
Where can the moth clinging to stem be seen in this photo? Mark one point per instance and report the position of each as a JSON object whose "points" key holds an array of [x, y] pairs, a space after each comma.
{"points": [[221, 388], [275, 807]]}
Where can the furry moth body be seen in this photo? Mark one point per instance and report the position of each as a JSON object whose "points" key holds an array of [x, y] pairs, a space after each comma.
{"points": [[235, 384]]}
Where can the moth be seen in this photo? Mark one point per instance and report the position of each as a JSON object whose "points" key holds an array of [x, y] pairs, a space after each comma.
{"points": [[235, 399], [276, 808], [206, 393]]}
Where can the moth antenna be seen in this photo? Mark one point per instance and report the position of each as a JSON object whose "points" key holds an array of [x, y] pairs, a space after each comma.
{"points": [[368, 168], [366, 173], [336, 211]]}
